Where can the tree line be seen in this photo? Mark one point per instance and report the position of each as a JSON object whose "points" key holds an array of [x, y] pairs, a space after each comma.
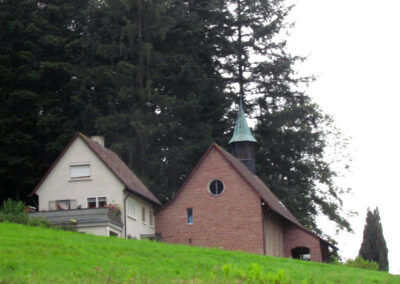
{"points": [[161, 81]]}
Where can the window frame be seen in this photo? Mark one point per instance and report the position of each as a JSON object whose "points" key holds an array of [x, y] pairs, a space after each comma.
{"points": [[133, 203], [209, 185], [73, 178], [189, 217], [144, 215], [151, 217], [67, 201], [97, 201]]}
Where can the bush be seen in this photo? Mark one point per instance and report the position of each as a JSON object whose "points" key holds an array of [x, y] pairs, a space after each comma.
{"points": [[359, 262], [14, 212], [12, 207], [21, 218], [38, 222]]}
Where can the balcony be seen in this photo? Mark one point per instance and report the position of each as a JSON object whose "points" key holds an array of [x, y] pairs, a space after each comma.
{"points": [[94, 217]]}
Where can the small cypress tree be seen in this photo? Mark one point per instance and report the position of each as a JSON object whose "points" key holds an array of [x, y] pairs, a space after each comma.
{"points": [[373, 247]]}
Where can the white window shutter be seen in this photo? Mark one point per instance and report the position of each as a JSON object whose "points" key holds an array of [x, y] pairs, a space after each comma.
{"points": [[52, 205], [77, 171], [74, 203], [131, 207]]}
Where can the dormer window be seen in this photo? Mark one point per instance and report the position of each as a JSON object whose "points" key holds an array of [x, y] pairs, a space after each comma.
{"points": [[80, 171]]}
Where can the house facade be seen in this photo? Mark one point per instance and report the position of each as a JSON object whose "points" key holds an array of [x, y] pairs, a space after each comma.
{"points": [[224, 204], [90, 187]]}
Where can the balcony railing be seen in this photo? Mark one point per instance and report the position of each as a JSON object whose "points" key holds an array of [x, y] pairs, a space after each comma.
{"points": [[80, 217]]}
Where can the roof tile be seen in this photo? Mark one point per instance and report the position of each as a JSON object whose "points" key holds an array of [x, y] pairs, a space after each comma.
{"points": [[121, 170]]}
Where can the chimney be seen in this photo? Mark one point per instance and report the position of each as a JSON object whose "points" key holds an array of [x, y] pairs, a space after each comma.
{"points": [[98, 139]]}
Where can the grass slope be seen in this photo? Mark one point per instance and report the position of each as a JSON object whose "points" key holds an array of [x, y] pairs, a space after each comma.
{"points": [[38, 255]]}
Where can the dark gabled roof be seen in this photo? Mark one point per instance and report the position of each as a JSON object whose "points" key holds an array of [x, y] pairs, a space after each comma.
{"points": [[258, 186], [115, 164], [263, 191]]}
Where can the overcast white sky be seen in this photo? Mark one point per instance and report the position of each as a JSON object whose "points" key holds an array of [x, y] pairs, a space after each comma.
{"points": [[353, 46]]}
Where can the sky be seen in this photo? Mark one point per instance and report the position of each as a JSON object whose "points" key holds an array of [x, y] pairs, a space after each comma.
{"points": [[353, 47]]}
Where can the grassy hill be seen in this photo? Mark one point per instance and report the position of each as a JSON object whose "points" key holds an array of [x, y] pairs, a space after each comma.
{"points": [[38, 255]]}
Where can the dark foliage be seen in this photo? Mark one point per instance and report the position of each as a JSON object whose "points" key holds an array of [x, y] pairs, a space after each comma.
{"points": [[158, 79], [373, 247]]}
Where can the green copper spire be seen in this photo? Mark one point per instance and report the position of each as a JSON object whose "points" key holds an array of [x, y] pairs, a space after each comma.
{"points": [[242, 131]]}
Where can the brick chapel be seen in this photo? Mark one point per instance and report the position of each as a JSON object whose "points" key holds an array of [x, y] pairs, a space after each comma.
{"points": [[224, 204]]}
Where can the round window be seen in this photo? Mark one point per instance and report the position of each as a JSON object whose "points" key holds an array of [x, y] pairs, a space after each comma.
{"points": [[216, 187]]}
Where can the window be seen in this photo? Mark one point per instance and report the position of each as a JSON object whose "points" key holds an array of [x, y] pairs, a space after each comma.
{"points": [[97, 202], [102, 202], [301, 253], [189, 212], [91, 202], [63, 205], [151, 216], [130, 207], [216, 187], [79, 171], [143, 214]]}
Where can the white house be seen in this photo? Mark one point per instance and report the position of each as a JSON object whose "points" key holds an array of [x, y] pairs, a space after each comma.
{"points": [[90, 187]]}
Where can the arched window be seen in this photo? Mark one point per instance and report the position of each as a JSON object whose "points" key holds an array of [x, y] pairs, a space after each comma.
{"points": [[301, 253]]}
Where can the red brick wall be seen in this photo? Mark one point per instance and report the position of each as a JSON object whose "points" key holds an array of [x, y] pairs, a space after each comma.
{"points": [[324, 252], [294, 237], [230, 221]]}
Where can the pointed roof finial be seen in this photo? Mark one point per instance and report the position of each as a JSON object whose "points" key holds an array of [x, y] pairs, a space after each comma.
{"points": [[242, 131]]}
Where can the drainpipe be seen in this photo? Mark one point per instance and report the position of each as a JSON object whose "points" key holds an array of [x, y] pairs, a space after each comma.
{"points": [[125, 224]]}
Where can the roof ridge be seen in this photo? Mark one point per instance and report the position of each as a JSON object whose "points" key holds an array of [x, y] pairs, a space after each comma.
{"points": [[121, 170], [114, 163], [248, 175]]}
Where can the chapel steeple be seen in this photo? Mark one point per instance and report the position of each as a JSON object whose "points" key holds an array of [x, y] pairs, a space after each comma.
{"points": [[243, 141]]}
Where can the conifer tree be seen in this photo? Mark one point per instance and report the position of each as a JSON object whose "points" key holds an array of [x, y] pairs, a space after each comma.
{"points": [[373, 247], [159, 79], [152, 87], [289, 127], [35, 87]]}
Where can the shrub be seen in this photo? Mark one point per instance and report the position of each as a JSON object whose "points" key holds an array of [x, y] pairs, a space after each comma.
{"points": [[39, 222], [359, 262], [12, 207], [14, 218], [13, 212]]}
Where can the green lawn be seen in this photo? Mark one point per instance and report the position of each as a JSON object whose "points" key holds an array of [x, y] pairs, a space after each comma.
{"points": [[38, 255]]}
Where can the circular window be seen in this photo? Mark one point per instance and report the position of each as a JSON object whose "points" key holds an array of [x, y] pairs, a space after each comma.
{"points": [[216, 187]]}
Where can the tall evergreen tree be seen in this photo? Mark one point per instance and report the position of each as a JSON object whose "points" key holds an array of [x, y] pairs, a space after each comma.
{"points": [[373, 247], [35, 89], [158, 79], [152, 87], [257, 67], [192, 96]]}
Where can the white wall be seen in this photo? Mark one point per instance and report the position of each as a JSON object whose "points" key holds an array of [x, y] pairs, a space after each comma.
{"points": [[102, 182], [99, 230], [58, 184], [135, 226]]}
